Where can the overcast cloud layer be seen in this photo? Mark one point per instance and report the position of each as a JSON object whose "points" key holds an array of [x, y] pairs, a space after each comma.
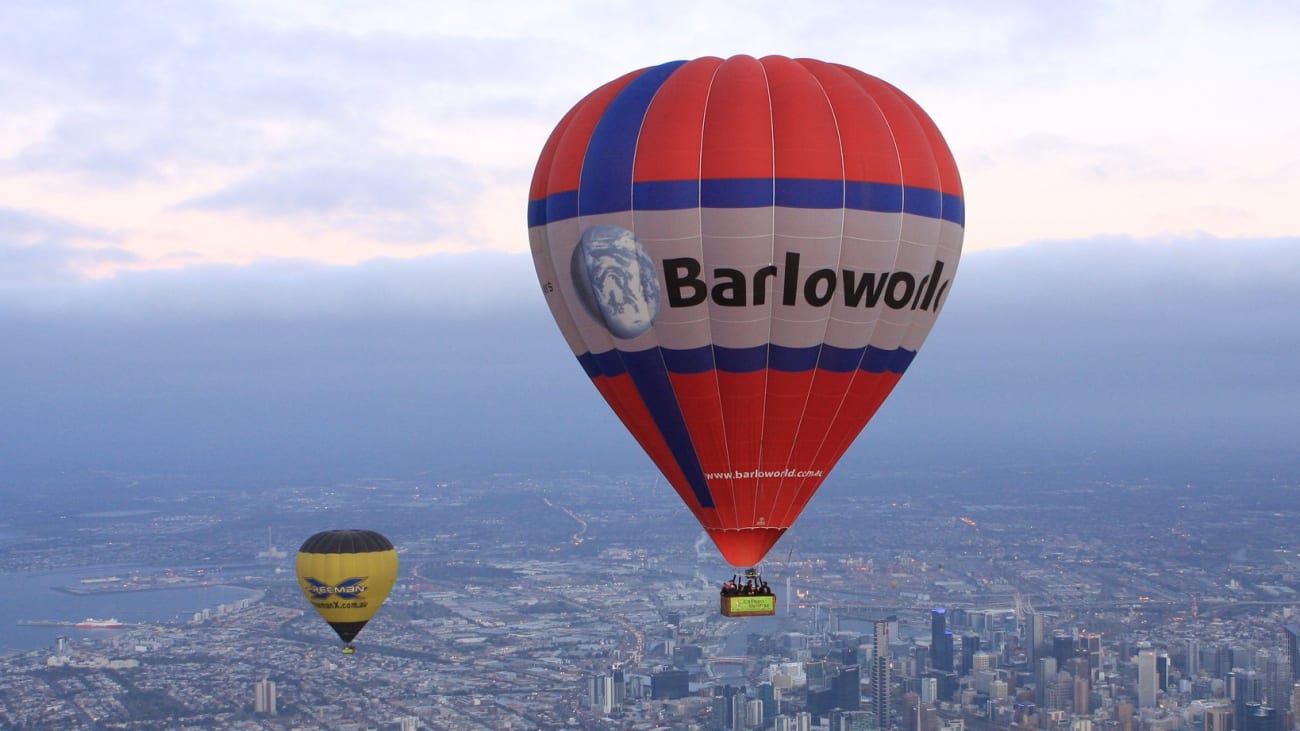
{"points": [[1162, 357]]}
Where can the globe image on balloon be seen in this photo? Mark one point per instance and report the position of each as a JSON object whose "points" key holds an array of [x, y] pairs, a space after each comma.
{"points": [[615, 280]]}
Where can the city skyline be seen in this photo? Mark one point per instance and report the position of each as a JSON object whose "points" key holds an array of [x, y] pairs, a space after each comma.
{"points": [[496, 618]]}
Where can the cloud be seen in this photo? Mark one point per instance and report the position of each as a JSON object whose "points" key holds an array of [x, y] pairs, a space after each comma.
{"points": [[407, 200], [151, 87], [1149, 357], [35, 247], [1149, 349], [188, 127], [448, 286]]}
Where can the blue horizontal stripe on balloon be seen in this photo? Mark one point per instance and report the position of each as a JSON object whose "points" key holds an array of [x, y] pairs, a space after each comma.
{"points": [[749, 193], [748, 360]]}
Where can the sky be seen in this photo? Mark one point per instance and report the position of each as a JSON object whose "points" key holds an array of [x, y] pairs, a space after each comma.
{"points": [[288, 239]]}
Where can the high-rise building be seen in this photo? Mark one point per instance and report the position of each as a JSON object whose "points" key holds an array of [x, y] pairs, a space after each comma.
{"points": [[1034, 630], [1062, 648], [970, 644], [1148, 681], [1292, 634], [1044, 674], [1295, 704], [769, 696], [739, 712], [929, 690], [846, 688], [670, 684], [941, 641], [1192, 660], [1060, 689], [1222, 663], [264, 697], [1124, 715], [408, 723], [1082, 695], [911, 708], [851, 721], [819, 701], [938, 625], [1218, 718], [1092, 641], [880, 676], [815, 673], [607, 694], [1275, 671], [729, 708], [1260, 717], [1243, 687], [753, 713], [718, 708]]}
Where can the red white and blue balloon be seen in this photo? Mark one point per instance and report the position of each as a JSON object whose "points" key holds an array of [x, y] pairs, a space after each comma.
{"points": [[745, 255]]}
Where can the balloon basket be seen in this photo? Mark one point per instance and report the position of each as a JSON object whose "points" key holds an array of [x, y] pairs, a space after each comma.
{"points": [[752, 598], [763, 605]]}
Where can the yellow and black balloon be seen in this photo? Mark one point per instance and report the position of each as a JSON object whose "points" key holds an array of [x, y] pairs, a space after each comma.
{"points": [[346, 575]]}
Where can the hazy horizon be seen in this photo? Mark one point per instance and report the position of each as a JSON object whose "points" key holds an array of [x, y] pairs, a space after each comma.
{"points": [[1161, 355]]}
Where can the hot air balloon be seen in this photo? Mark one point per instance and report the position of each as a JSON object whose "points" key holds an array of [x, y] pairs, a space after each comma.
{"points": [[346, 575], [745, 254]]}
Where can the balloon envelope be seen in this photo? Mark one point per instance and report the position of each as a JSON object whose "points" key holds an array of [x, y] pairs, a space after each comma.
{"points": [[745, 255], [347, 575]]}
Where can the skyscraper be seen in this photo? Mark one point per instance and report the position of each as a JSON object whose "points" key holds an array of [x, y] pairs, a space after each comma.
{"points": [[1062, 648], [880, 676], [1148, 681], [929, 690], [1044, 675], [1260, 717], [1082, 696], [1192, 662], [264, 697], [617, 686], [846, 688], [754, 713], [1275, 668], [1218, 719], [941, 641], [770, 696], [1093, 642], [669, 684], [970, 644], [1034, 633], [1292, 633], [608, 697], [739, 712], [1244, 687]]}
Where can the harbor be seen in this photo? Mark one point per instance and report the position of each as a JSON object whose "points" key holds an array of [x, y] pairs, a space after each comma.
{"points": [[88, 623]]}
